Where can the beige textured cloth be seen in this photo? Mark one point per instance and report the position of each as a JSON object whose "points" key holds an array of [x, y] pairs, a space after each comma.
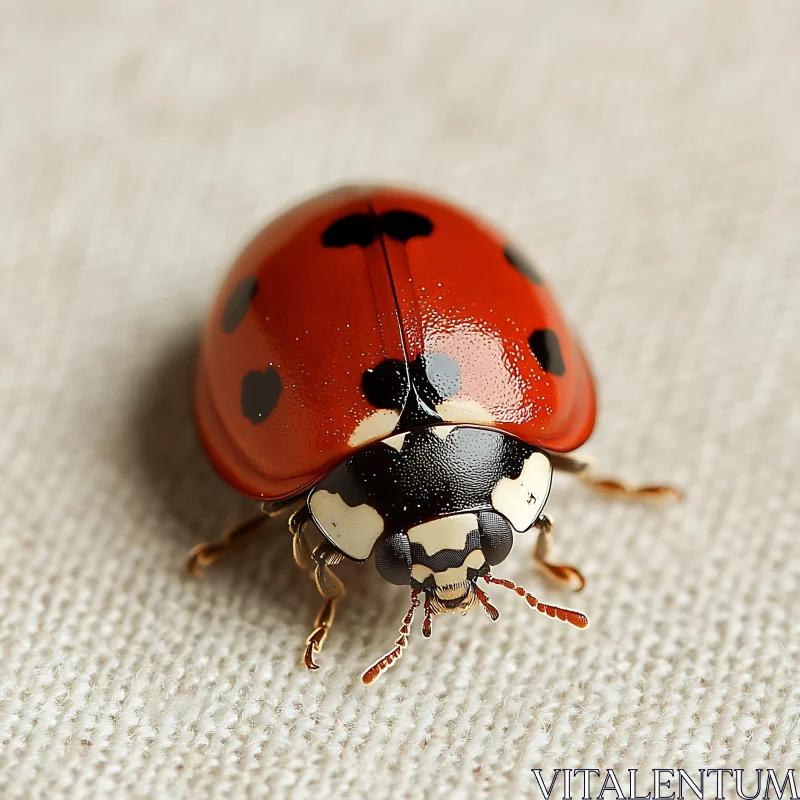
{"points": [[647, 154]]}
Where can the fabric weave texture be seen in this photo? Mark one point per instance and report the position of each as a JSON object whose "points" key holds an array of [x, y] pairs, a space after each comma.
{"points": [[646, 155]]}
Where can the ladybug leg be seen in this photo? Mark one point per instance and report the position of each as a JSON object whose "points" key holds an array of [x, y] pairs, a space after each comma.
{"points": [[584, 468], [561, 573], [319, 561], [332, 589], [205, 554], [301, 546]]}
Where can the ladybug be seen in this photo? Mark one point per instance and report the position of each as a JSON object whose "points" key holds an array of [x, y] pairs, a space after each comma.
{"points": [[395, 376]]}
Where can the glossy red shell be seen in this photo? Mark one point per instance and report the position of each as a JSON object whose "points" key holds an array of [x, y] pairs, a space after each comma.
{"points": [[321, 316]]}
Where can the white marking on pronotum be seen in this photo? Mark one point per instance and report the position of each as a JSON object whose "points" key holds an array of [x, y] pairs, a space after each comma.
{"points": [[373, 427], [520, 500], [445, 533], [442, 431], [353, 529], [464, 409]]}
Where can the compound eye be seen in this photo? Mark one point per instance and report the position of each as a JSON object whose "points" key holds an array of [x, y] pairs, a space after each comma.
{"points": [[393, 559], [496, 537]]}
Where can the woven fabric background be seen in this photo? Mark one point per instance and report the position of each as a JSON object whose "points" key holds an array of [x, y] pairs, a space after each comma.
{"points": [[646, 154]]}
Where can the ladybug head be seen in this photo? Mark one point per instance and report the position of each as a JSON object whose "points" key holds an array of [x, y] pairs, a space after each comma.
{"points": [[438, 506]]}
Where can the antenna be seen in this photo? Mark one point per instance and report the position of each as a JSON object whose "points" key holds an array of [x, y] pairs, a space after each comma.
{"points": [[426, 624], [575, 618], [383, 663]]}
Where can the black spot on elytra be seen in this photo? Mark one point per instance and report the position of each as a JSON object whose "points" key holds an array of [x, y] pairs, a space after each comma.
{"points": [[386, 385], [433, 376], [522, 264], [405, 225], [260, 393], [357, 229], [436, 376], [544, 345], [238, 303], [362, 229]]}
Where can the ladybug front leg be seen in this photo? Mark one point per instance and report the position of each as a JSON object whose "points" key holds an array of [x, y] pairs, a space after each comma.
{"points": [[561, 573], [584, 468], [332, 589], [301, 546], [320, 560]]}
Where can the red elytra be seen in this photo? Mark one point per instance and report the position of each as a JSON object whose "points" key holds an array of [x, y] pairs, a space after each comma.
{"points": [[306, 319], [396, 372]]}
